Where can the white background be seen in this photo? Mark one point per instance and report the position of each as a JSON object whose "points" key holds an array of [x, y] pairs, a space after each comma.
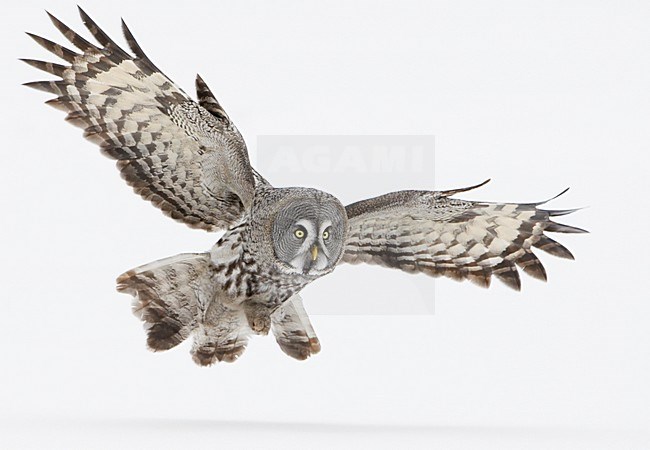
{"points": [[536, 95]]}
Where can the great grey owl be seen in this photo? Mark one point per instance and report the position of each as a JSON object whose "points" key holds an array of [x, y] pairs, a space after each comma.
{"points": [[189, 160]]}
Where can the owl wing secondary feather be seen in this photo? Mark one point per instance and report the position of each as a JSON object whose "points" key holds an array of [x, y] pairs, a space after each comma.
{"points": [[431, 233], [188, 159]]}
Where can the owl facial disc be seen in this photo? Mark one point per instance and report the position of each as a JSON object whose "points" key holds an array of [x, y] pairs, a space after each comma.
{"points": [[308, 234]]}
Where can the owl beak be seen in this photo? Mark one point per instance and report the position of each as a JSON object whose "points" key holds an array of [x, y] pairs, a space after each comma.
{"points": [[314, 253]]}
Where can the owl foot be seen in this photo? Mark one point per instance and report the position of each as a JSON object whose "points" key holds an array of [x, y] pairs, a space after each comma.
{"points": [[260, 324], [259, 318]]}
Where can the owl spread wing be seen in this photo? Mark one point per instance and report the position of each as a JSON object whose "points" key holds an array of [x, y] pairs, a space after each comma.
{"points": [[188, 159], [431, 233]]}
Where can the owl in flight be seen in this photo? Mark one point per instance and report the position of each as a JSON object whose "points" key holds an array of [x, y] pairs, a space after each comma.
{"points": [[189, 160]]}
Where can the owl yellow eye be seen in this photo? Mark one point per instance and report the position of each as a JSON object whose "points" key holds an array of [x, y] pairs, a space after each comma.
{"points": [[326, 234], [299, 233]]}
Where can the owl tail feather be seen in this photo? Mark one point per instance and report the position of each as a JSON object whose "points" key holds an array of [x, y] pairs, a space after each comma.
{"points": [[176, 298], [168, 297]]}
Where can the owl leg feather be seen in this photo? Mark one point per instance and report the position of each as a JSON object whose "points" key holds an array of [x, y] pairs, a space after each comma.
{"points": [[293, 330]]}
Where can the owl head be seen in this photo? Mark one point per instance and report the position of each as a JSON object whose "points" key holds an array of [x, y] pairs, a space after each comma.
{"points": [[304, 229]]}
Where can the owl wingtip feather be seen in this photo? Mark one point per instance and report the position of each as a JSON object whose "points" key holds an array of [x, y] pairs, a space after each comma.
{"points": [[450, 192]]}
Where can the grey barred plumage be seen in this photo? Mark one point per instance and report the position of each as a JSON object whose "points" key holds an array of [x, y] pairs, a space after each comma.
{"points": [[190, 161], [428, 232], [160, 138]]}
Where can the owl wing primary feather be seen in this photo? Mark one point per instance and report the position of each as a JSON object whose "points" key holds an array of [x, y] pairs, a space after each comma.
{"points": [[188, 159], [431, 233]]}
